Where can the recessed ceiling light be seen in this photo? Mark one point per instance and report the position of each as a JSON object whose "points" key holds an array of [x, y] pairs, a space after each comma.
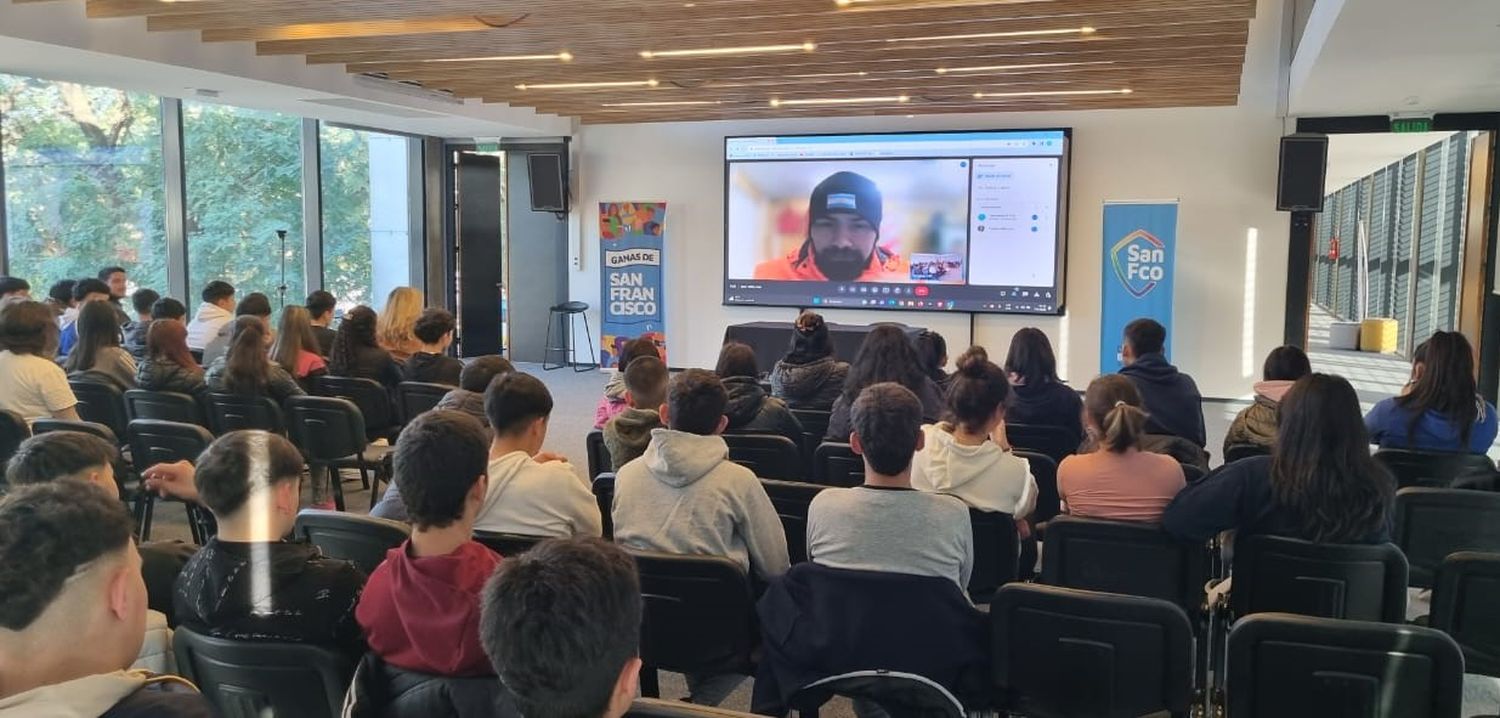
{"points": [[563, 56], [1032, 66], [815, 75], [982, 35], [1049, 93], [708, 51], [586, 85], [663, 103], [776, 102]]}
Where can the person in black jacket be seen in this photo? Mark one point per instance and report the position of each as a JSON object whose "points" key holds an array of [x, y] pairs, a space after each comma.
{"points": [[750, 411], [1172, 397], [887, 354], [430, 363], [142, 301], [356, 353], [1039, 398], [320, 305], [809, 376]]}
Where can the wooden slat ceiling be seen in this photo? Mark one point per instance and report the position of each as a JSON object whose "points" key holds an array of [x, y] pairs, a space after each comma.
{"points": [[866, 56]]}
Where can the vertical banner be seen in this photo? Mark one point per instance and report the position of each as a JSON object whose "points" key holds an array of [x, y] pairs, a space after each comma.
{"points": [[631, 238], [1140, 247]]}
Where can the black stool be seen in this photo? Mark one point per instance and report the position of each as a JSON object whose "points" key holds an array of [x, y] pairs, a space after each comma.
{"points": [[564, 313]]}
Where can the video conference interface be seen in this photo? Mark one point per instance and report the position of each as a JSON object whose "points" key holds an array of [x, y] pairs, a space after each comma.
{"points": [[943, 221]]}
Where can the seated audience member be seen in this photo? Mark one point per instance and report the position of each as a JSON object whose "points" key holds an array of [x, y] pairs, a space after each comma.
{"points": [[420, 608], [31, 384], [320, 305], [932, 348], [530, 492], [968, 456], [357, 354], [114, 278], [1256, 424], [886, 525], [887, 354], [60, 297], [248, 583], [296, 349], [1442, 409], [98, 355], [255, 305], [135, 332], [614, 391], [1171, 397], [1319, 483], [1038, 397], [168, 365], [247, 370], [561, 624], [808, 376], [396, 330], [472, 381], [430, 363], [216, 311], [750, 411], [627, 435], [74, 614], [1119, 479], [169, 308], [14, 287], [86, 291]]}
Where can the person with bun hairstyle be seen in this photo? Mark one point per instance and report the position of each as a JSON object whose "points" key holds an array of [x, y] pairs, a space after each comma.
{"points": [[1119, 479], [1038, 397], [968, 456], [808, 376]]}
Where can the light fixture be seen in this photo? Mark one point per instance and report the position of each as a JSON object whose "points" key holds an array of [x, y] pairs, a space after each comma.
{"points": [[563, 56], [815, 75], [777, 102], [587, 85], [1050, 93], [1085, 30], [711, 51], [1032, 66], [663, 103]]}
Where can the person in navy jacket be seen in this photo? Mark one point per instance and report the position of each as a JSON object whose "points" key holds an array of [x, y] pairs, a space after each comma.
{"points": [[1172, 398]]}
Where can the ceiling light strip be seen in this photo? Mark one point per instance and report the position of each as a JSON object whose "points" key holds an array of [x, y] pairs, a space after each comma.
{"points": [[663, 103], [586, 85], [1049, 93], [1032, 66], [563, 56], [716, 51], [776, 102], [984, 35]]}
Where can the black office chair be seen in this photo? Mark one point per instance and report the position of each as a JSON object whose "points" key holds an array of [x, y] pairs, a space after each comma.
{"points": [[254, 679], [236, 412], [1125, 557], [657, 708], [698, 616], [507, 544], [814, 428], [1054, 442], [894, 693], [418, 397], [165, 406], [1432, 523], [598, 454], [1433, 468], [1289, 665], [163, 442], [1235, 452], [1283, 575], [372, 398], [1044, 470], [604, 494], [1067, 652], [1464, 601], [836, 464], [769, 456], [331, 434], [13, 431], [360, 540], [42, 426], [101, 403], [996, 550], [791, 499]]}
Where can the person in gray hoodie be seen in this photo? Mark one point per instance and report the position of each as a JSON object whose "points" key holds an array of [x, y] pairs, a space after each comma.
{"points": [[472, 381], [809, 376], [750, 411], [627, 435]]}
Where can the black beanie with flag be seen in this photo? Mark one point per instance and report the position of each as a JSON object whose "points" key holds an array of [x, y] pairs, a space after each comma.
{"points": [[846, 192]]}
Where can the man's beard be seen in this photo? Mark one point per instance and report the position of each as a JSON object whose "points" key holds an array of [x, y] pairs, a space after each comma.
{"points": [[841, 265]]}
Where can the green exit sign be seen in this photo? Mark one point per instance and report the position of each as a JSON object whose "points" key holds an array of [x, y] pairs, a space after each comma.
{"points": [[1411, 124]]}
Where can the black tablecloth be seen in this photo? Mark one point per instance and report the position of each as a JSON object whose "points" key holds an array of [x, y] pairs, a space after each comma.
{"points": [[771, 340]]}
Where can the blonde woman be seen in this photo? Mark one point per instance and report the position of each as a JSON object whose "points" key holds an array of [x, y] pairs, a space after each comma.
{"points": [[397, 321]]}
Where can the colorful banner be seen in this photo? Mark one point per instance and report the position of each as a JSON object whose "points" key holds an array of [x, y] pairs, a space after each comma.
{"points": [[631, 240], [1140, 247]]}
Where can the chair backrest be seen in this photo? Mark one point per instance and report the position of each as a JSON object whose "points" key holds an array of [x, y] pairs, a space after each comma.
{"points": [[894, 692], [1464, 601], [360, 540], [370, 396], [1062, 651], [1284, 575], [1282, 665], [43, 426], [327, 428], [252, 679], [814, 427], [236, 412], [507, 544], [1432, 523], [996, 550], [165, 406], [698, 614], [1433, 468], [836, 464], [101, 403], [1044, 470], [1235, 452], [1192, 473], [1123, 557], [770, 456], [13, 431], [417, 397], [598, 454], [1053, 442], [158, 442], [604, 495], [657, 708], [791, 499]]}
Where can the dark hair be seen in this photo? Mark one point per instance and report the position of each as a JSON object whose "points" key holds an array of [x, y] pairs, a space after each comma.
{"points": [[319, 303], [28, 328], [737, 359], [247, 366], [253, 304], [105, 273], [223, 471], [55, 455], [887, 354], [978, 389], [637, 347], [356, 332], [1446, 386], [1031, 358], [514, 400], [144, 299], [9, 285], [1286, 363], [646, 379], [433, 324], [217, 291], [477, 374], [1114, 405], [559, 622], [98, 329], [1146, 336], [810, 341], [47, 533], [168, 308], [1321, 468], [88, 286], [438, 458], [167, 341], [932, 349], [61, 291], [695, 402], [887, 418]]}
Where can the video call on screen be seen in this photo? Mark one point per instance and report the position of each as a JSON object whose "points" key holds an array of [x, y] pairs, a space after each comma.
{"points": [[943, 221]]}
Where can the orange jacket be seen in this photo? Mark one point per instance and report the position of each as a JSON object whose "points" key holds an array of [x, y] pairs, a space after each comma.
{"points": [[885, 266]]}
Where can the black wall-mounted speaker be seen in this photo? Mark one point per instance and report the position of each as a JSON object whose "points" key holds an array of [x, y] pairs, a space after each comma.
{"points": [[549, 181], [1304, 167]]}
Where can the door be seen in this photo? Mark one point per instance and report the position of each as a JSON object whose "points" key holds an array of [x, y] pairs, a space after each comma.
{"points": [[478, 255]]}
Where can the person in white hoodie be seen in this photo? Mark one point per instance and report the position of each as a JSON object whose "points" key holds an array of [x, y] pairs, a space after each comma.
{"points": [[531, 492], [968, 456], [216, 311]]}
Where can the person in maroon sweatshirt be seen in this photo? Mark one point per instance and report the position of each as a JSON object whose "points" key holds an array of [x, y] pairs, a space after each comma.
{"points": [[420, 608]]}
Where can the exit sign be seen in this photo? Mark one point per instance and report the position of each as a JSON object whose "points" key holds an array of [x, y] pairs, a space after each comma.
{"points": [[1411, 124]]}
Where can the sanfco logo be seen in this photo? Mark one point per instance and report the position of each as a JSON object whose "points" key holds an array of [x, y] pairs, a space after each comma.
{"points": [[1140, 261]]}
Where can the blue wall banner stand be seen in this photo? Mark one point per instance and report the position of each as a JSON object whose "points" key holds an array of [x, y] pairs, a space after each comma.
{"points": [[1140, 250], [632, 236]]}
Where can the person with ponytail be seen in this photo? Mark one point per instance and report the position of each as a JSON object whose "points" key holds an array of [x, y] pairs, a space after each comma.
{"points": [[1441, 410], [1119, 479], [246, 369], [1319, 483], [808, 376], [968, 456]]}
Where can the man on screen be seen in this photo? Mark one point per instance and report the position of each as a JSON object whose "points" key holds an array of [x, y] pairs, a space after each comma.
{"points": [[843, 238]]}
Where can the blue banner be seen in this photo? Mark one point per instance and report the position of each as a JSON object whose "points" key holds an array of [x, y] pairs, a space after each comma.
{"points": [[631, 238], [1140, 247]]}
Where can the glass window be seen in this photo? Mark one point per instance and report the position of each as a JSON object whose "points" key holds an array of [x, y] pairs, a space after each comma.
{"points": [[244, 182], [366, 217], [83, 182]]}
